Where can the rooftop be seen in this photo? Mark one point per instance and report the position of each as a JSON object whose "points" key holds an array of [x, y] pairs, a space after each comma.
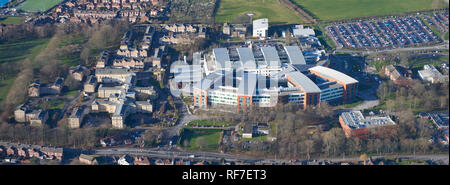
{"points": [[246, 57], [295, 55], [270, 56], [333, 74], [261, 23], [222, 57], [301, 80], [356, 120]]}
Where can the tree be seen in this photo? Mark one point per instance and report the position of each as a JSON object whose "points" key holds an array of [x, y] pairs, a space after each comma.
{"points": [[324, 110], [17, 94], [72, 83], [288, 37]]}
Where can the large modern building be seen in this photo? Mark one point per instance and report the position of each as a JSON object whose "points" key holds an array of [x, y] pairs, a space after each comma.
{"points": [[246, 77], [260, 28]]}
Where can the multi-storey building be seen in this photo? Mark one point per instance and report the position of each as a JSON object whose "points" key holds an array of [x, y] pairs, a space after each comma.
{"points": [[260, 28], [261, 77]]}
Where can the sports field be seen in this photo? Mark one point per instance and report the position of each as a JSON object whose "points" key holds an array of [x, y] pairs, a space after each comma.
{"points": [[38, 5], [327, 10], [235, 11]]}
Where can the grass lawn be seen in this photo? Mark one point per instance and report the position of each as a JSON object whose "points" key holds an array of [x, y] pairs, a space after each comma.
{"points": [[210, 136], [235, 11], [379, 64], [72, 93], [56, 104], [257, 138], [38, 5], [417, 64], [327, 10], [18, 50], [75, 39], [5, 85], [208, 123], [446, 36], [11, 20]]}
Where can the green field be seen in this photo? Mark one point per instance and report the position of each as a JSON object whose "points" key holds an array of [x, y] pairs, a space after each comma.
{"points": [[38, 5], [11, 20], [327, 10], [5, 85], [18, 50], [72, 93], [235, 11], [208, 123], [56, 104], [209, 136]]}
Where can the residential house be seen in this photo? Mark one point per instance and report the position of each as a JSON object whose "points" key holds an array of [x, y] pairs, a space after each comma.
{"points": [[248, 130], [38, 117], [11, 151], [87, 159], [20, 113], [78, 72], [125, 160], [91, 84], [141, 160], [76, 118], [400, 75]]}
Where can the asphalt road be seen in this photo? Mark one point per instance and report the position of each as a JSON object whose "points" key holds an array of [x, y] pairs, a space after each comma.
{"points": [[216, 156], [437, 47]]}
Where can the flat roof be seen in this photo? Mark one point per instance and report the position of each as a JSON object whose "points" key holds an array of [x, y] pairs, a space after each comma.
{"points": [[261, 23], [246, 57], [270, 55], [295, 55], [185, 68], [356, 120], [188, 77], [222, 57], [303, 81], [331, 73]]}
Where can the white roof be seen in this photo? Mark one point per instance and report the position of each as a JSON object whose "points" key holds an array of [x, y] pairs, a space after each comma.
{"points": [[299, 30], [246, 57], [331, 73], [261, 24], [295, 55], [270, 55], [303, 81], [222, 57]]}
